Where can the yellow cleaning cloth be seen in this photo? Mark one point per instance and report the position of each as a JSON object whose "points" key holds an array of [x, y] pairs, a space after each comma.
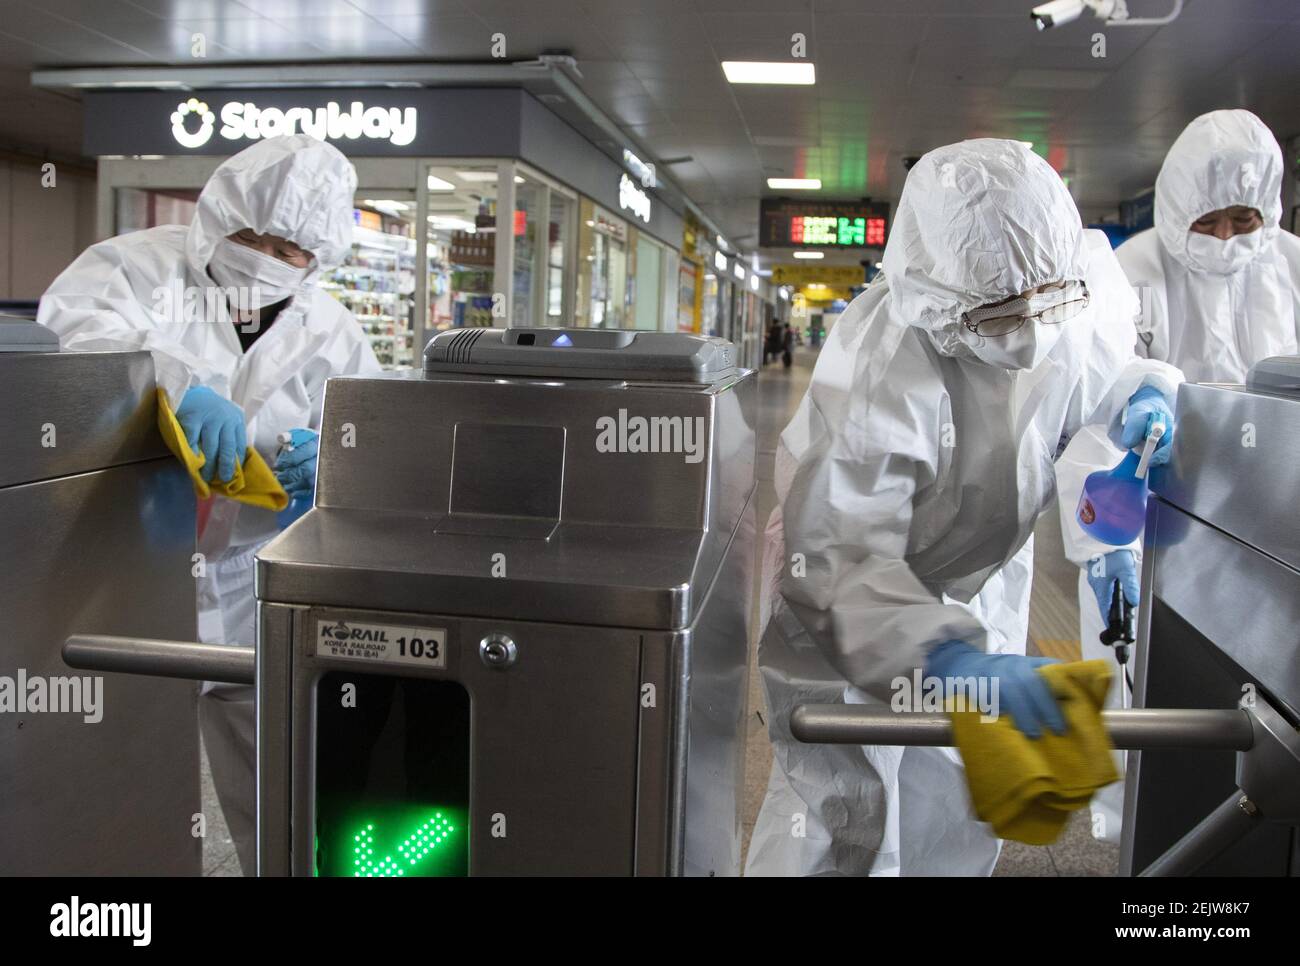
{"points": [[254, 483], [1027, 788]]}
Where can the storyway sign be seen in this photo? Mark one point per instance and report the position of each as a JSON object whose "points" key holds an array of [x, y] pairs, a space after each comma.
{"points": [[362, 121]]}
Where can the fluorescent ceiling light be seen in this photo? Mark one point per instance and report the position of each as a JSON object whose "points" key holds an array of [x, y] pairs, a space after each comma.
{"points": [[519, 180], [769, 72], [437, 184], [476, 175], [808, 184], [809, 254]]}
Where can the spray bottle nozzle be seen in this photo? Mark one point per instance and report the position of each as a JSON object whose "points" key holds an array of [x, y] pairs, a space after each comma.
{"points": [[1155, 432], [1121, 629]]}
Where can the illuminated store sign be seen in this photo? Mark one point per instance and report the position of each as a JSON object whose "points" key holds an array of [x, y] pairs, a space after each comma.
{"points": [[633, 199], [645, 173], [194, 123]]}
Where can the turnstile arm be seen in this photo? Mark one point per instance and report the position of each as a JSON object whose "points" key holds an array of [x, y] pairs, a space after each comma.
{"points": [[229, 664], [1267, 747], [1144, 728], [1228, 823]]}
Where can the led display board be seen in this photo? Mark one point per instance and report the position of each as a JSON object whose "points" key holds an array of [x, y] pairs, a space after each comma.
{"points": [[822, 224]]}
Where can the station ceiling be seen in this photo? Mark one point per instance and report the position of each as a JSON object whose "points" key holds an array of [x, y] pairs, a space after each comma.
{"points": [[893, 78]]}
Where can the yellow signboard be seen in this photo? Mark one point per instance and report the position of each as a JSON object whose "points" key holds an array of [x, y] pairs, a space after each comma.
{"points": [[833, 276]]}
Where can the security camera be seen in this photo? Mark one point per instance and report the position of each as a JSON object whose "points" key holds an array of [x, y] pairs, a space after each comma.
{"points": [[1048, 15], [910, 161], [1057, 12]]}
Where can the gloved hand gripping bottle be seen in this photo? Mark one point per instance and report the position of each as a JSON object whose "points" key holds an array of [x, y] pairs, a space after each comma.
{"points": [[1113, 504], [298, 505]]}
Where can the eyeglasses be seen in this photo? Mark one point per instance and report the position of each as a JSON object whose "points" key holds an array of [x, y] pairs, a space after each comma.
{"points": [[1052, 305]]}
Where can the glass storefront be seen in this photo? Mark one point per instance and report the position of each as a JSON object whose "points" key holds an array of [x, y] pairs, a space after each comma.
{"points": [[542, 227], [689, 296], [376, 282], [460, 239], [602, 272]]}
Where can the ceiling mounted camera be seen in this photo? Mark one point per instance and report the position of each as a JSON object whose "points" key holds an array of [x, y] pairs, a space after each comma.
{"points": [[1057, 12], [1113, 12]]}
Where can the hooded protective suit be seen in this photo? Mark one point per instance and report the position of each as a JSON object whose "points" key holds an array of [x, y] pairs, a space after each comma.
{"points": [[151, 290], [1210, 324], [910, 479]]}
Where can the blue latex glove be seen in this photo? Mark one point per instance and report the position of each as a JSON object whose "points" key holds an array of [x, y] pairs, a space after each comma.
{"points": [[1142, 406], [296, 468], [1022, 692], [214, 427], [1102, 573]]}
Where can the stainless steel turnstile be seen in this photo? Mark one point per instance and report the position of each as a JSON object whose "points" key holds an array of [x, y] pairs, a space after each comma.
{"points": [[1221, 572], [1213, 782], [96, 533], [512, 635]]}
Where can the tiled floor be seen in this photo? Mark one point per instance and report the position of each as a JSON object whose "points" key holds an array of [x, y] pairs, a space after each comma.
{"points": [[219, 856]]}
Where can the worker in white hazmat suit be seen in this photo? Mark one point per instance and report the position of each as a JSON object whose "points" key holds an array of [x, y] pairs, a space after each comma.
{"points": [[910, 479], [242, 340], [1219, 282]]}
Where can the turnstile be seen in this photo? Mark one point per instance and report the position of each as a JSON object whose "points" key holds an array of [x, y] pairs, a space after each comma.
{"points": [[512, 635], [96, 534], [1221, 573]]}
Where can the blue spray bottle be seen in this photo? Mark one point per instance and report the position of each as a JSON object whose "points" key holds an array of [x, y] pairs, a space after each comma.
{"points": [[1113, 504]]}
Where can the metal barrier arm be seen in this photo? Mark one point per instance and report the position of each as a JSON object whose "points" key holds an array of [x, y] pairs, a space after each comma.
{"points": [[229, 664], [843, 724], [1267, 747]]}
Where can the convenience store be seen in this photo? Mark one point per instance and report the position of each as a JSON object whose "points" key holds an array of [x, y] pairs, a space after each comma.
{"points": [[526, 222]]}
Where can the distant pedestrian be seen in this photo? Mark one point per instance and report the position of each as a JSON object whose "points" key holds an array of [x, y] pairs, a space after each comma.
{"points": [[772, 342]]}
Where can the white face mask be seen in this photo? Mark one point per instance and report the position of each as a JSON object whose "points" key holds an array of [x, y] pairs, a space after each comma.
{"points": [[1220, 257], [261, 279], [1023, 349]]}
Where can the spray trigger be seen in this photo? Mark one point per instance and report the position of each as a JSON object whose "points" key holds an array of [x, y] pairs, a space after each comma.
{"points": [[1155, 432]]}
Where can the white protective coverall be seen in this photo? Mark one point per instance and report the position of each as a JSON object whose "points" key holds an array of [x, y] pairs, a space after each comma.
{"points": [[909, 480], [1213, 326], [147, 290]]}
